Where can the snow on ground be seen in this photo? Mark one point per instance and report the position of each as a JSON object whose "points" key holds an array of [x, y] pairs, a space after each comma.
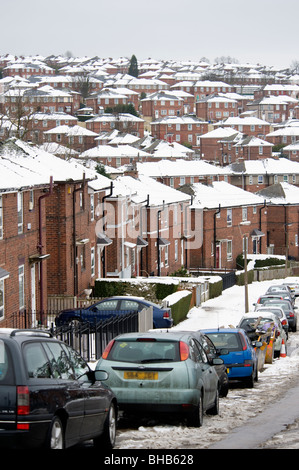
{"points": [[241, 403]]}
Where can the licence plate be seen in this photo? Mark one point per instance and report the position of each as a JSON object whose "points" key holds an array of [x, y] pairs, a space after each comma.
{"points": [[140, 375]]}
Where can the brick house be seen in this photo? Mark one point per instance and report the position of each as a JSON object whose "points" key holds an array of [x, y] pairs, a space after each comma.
{"points": [[205, 88], [162, 104], [106, 98], [43, 99], [123, 122], [292, 151], [283, 219], [27, 70], [250, 126], [274, 109], [38, 123], [177, 174], [255, 175], [215, 108], [23, 247], [180, 129], [114, 156], [284, 135], [230, 214], [217, 145], [111, 97], [155, 224], [74, 137], [252, 148]]}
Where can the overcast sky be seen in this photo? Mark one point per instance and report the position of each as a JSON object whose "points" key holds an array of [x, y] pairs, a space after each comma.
{"points": [[252, 31]]}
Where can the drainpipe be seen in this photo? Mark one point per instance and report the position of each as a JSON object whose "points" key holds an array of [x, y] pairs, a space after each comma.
{"points": [[158, 236], [261, 208], [215, 213], [81, 188], [103, 207], [141, 228], [40, 246]]}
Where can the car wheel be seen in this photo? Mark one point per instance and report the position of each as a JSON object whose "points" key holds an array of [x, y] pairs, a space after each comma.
{"points": [[109, 435], [56, 434], [215, 408], [196, 418], [249, 381]]}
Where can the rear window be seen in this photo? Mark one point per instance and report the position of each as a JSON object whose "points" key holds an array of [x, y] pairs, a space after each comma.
{"points": [[144, 351], [231, 341], [6, 367]]}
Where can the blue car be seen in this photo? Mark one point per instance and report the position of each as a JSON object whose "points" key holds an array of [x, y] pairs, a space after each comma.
{"points": [[237, 352], [113, 306]]}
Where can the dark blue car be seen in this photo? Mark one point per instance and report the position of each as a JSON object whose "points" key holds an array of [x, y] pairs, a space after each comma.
{"points": [[238, 353], [114, 306]]}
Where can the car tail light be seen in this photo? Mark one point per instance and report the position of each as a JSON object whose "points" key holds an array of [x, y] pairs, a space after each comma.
{"points": [[23, 405], [23, 400], [243, 342], [247, 363], [291, 314], [108, 349], [184, 351], [284, 322], [166, 315]]}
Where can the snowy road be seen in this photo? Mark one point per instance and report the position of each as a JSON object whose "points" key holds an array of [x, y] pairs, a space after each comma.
{"points": [[241, 404]]}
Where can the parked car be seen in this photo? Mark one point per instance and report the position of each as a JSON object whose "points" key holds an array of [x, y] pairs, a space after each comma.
{"points": [[294, 287], [279, 312], [221, 370], [113, 306], [237, 352], [288, 309], [162, 372], [284, 291], [278, 296], [49, 397], [261, 323]]}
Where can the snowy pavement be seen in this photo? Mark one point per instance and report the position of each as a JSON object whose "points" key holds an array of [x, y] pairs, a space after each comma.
{"points": [[241, 404]]}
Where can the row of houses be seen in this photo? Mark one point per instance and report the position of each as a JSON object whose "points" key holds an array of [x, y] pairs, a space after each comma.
{"points": [[63, 225]]}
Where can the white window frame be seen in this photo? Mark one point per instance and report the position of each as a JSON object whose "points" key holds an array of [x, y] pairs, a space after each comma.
{"points": [[20, 212], [21, 274]]}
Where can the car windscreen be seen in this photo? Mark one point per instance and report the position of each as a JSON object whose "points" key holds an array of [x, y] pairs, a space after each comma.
{"points": [[253, 323], [6, 367], [230, 341], [144, 351]]}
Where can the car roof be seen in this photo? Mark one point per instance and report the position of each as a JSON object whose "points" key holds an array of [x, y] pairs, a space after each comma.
{"points": [[254, 315], [159, 334], [222, 330]]}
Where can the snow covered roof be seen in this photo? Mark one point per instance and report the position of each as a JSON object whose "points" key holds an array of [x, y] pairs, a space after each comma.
{"points": [[266, 166], [165, 168], [223, 194], [25, 166], [281, 193], [139, 188]]}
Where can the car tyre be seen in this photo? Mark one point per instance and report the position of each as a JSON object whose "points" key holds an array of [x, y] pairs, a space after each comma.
{"points": [[109, 435], [56, 435], [215, 408], [196, 418]]}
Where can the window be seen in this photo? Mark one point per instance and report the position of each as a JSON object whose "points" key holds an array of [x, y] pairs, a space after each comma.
{"points": [[176, 250], [229, 249], [285, 178], [37, 363], [244, 214], [92, 207], [20, 212], [21, 287], [260, 179], [229, 217], [92, 261]]}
